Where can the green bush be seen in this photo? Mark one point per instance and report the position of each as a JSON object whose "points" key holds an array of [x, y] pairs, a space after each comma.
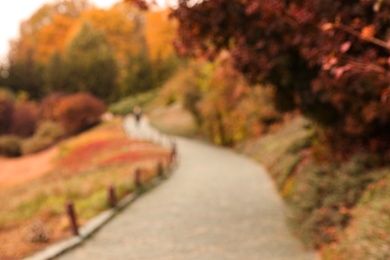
{"points": [[47, 134], [126, 105], [10, 146], [51, 130], [36, 144]]}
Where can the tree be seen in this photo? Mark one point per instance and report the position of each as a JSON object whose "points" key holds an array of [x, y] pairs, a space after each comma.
{"points": [[117, 24], [159, 34], [43, 34], [328, 59], [57, 74], [140, 76], [46, 30], [92, 64], [26, 75]]}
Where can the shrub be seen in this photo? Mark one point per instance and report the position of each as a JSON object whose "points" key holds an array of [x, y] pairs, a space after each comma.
{"points": [[6, 111], [24, 119], [367, 237], [215, 93], [323, 196], [35, 144], [10, 146], [6, 93], [51, 130], [79, 112], [47, 134], [48, 105], [126, 105]]}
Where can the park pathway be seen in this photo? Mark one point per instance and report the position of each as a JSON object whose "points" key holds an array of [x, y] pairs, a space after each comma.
{"points": [[217, 205]]}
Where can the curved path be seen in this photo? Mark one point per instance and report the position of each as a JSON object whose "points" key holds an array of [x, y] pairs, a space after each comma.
{"points": [[217, 205]]}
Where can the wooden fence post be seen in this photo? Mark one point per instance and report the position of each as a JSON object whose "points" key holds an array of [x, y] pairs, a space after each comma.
{"points": [[112, 200], [137, 178], [160, 169], [173, 153], [72, 217]]}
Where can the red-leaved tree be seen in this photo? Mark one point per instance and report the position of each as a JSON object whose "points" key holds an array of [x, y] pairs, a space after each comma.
{"points": [[329, 59]]}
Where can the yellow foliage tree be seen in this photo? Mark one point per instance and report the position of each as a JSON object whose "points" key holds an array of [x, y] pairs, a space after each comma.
{"points": [[51, 36], [117, 25], [44, 32], [159, 32]]}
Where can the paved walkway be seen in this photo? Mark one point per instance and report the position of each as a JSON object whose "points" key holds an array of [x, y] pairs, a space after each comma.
{"points": [[217, 205]]}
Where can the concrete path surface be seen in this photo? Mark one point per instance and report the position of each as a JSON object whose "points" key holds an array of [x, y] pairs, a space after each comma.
{"points": [[217, 205]]}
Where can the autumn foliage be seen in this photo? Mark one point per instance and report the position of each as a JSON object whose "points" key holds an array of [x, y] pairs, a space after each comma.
{"points": [[73, 46], [225, 106], [6, 110], [24, 119], [327, 59], [27, 127], [78, 112]]}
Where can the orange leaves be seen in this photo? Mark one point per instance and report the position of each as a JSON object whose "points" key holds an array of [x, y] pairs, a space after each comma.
{"points": [[345, 46], [117, 27], [44, 32], [368, 31], [327, 27], [159, 33], [385, 95], [78, 112], [51, 36]]}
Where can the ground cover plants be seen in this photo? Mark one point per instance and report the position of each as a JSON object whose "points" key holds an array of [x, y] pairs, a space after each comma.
{"points": [[336, 207], [32, 216]]}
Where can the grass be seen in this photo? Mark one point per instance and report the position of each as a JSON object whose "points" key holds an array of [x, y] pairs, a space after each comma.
{"points": [[174, 120], [278, 151], [367, 236], [126, 105], [84, 168], [339, 207]]}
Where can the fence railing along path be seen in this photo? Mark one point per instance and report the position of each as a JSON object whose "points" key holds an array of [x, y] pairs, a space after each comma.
{"points": [[217, 205]]}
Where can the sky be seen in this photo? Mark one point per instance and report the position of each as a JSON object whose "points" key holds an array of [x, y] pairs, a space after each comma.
{"points": [[15, 11]]}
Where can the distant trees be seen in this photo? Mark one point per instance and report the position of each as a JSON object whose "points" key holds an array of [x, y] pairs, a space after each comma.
{"points": [[72, 46], [26, 75], [140, 75], [57, 74], [91, 64]]}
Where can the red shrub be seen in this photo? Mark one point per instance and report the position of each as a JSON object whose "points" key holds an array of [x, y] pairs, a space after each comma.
{"points": [[48, 105], [24, 119], [79, 112], [6, 110]]}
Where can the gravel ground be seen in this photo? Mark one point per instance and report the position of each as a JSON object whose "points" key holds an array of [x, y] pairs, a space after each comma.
{"points": [[216, 205]]}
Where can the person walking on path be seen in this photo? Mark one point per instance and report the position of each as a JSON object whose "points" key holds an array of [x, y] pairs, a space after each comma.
{"points": [[137, 114]]}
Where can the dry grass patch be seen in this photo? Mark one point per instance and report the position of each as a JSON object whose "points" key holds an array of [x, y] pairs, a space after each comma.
{"points": [[175, 120]]}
